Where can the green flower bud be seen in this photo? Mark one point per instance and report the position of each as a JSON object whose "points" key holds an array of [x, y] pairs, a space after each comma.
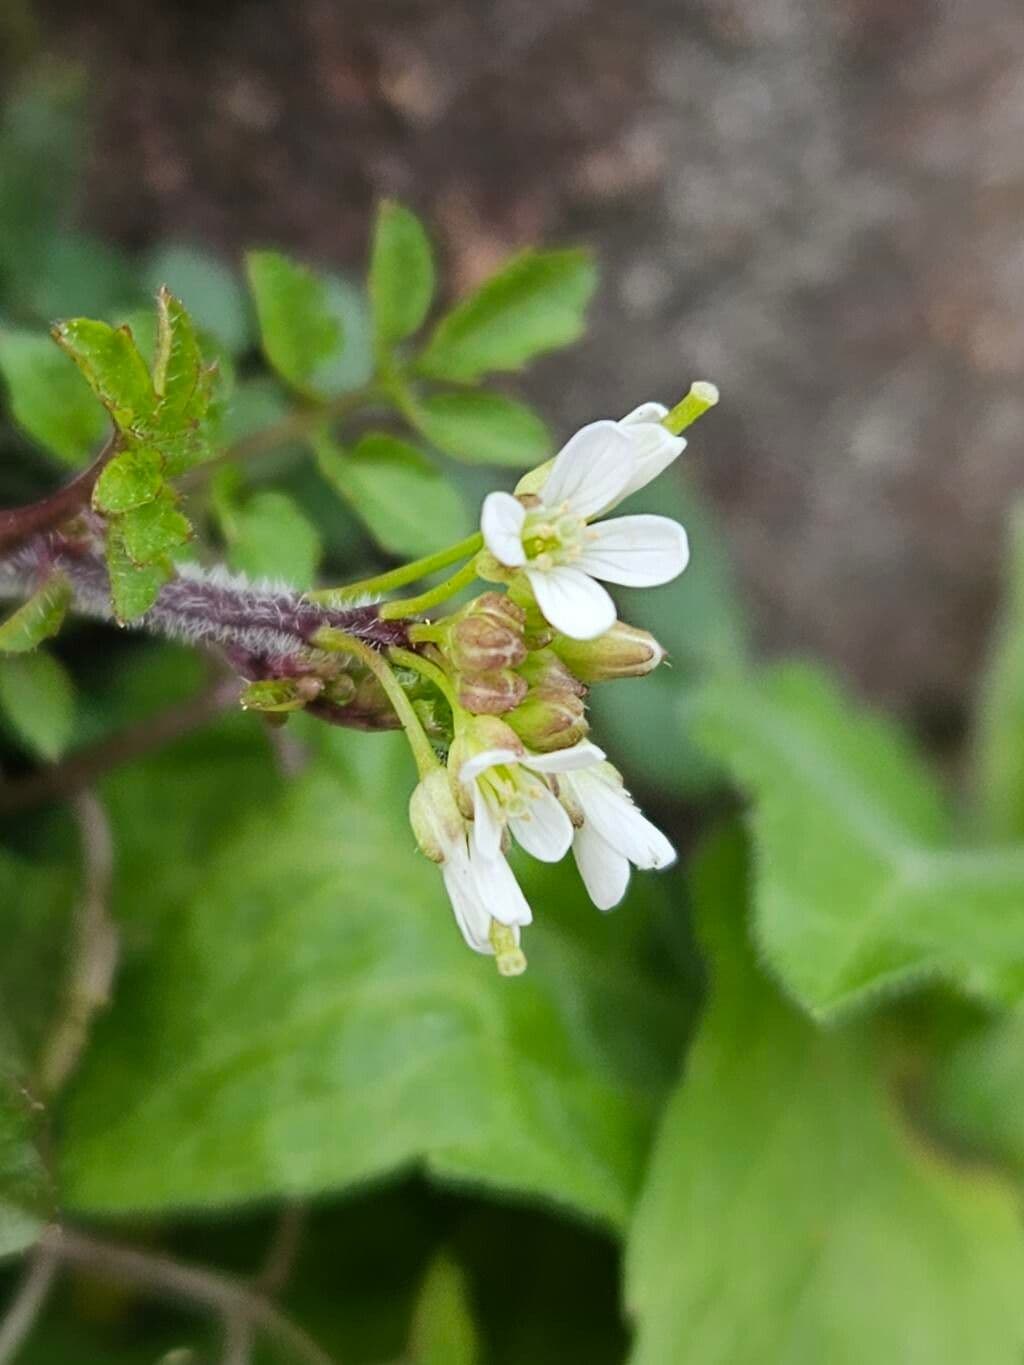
{"points": [[436, 820], [623, 652], [487, 636], [549, 720], [490, 694], [543, 669]]}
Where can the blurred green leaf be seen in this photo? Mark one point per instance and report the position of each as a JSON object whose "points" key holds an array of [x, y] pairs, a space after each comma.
{"points": [[790, 1214], [300, 331], [37, 697], [482, 428], [404, 499], [999, 723], [857, 889], [270, 537], [209, 289], [113, 366], [535, 304], [401, 273], [133, 587], [312, 1001], [38, 618], [130, 480], [23, 1185], [443, 1330], [81, 277], [49, 398]]}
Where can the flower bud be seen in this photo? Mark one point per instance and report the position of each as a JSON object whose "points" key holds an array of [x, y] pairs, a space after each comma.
{"points": [[490, 694], [549, 720], [623, 652], [488, 635], [436, 820], [544, 670]]}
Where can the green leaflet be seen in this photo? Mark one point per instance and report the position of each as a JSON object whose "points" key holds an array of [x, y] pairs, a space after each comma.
{"points": [[482, 428], [113, 366], [38, 618], [407, 503], [535, 304], [857, 888], [443, 1330], [311, 982], [301, 332], [790, 1215], [401, 273]]}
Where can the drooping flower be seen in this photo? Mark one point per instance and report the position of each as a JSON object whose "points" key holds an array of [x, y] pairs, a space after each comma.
{"points": [[505, 786], [611, 833], [561, 554], [483, 891]]}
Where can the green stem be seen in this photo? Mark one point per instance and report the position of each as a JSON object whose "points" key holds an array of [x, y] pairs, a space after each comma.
{"points": [[338, 641], [405, 573], [702, 396], [429, 670], [412, 606]]}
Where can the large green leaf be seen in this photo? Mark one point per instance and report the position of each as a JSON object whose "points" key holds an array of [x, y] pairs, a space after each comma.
{"points": [[308, 1018], [401, 273], [301, 332], [999, 726], [49, 397], [791, 1215], [406, 502], [857, 887], [535, 304], [483, 428]]}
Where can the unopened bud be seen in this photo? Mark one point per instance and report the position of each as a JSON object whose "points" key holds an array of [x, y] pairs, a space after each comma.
{"points": [[435, 818], [488, 635], [276, 695], [623, 652], [544, 670], [490, 694], [340, 690], [549, 720]]}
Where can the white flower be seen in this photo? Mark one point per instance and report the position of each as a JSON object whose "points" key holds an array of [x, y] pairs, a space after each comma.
{"points": [[612, 833], [481, 889], [653, 448], [561, 554], [507, 787]]}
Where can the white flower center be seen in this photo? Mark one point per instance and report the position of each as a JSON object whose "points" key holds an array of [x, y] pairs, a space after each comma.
{"points": [[509, 791], [553, 535]]}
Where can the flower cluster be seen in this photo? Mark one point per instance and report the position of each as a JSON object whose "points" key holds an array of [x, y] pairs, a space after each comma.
{"points": [[515, 667]]}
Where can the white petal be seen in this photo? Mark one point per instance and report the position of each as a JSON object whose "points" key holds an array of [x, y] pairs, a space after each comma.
{"points": [[572, 602], [611, 812], [646, 412], [471, 914], [591, 469], [500, 891], [501, 521], [546, 831], [638, 552], [581, 755], [605, 872], [487, 758], [654, 449], [485, 836]]}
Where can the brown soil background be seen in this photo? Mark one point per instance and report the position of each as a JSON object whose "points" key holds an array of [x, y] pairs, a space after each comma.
{"points": [[817, 203]]}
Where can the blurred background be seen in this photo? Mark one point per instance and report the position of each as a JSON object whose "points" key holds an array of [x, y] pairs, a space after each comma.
{"points": [[814, 203]]}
